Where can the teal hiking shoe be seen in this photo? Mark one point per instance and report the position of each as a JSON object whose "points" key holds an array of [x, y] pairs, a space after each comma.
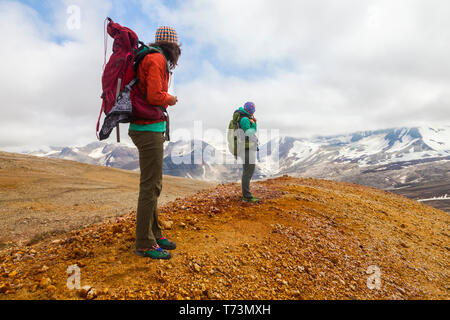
{"points": [[154, 253], [166, 244], [251, 200]]}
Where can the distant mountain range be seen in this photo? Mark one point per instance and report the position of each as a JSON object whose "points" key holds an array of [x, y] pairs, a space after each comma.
{"points": [[387, 159]]}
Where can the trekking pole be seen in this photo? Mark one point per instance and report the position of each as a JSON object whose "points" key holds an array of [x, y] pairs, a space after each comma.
{"points": [[119, 85]]}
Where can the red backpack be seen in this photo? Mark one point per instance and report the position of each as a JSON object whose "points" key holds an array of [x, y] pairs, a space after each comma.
{"points": [[122, 101]]}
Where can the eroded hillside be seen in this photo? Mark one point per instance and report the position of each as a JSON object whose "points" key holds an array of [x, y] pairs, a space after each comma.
{"points": [[308, 239]]}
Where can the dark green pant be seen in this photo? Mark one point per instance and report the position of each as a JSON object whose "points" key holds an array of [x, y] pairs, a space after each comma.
{"points": [[151, 155], [247, 174]]}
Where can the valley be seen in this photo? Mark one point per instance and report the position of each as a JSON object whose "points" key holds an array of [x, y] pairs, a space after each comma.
{"points": [[43, 197], [393, 159]]}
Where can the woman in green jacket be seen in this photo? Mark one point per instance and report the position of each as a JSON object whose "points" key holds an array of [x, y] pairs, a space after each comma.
{"points": [[249, 126]]}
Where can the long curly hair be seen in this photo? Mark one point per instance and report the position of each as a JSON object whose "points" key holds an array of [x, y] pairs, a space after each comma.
{"points": [[172, 52]]}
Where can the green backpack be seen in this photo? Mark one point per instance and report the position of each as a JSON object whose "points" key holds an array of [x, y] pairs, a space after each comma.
{"points": [[232, 136]]}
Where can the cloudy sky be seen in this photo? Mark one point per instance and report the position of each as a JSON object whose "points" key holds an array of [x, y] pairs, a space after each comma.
{"points": [[312, 67]]}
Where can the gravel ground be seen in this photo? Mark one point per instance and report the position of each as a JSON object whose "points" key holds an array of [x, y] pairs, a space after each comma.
{"points": [[307, 239]]}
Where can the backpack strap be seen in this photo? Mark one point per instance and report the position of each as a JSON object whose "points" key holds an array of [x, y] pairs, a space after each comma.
{"points": [[166, 114], [241, 116], [145, 50]]}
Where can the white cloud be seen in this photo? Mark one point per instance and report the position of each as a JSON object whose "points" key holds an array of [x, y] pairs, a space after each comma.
{"points": [[50, 92], [346, 65], [329, 66]]}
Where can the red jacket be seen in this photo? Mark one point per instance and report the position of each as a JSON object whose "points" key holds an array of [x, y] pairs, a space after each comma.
{"points": [[154, 82]]}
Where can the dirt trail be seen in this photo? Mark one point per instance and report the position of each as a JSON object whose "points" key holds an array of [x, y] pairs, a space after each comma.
{"points": [[41, 197], [308, 239]]}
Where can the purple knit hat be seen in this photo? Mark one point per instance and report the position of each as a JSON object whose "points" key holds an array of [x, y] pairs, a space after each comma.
{"points": [[166, 34], [250, 108]]}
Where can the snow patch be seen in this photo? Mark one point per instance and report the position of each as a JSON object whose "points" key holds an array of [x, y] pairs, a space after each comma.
{"points": [[97, 153], [438, 139], [302, 150]]}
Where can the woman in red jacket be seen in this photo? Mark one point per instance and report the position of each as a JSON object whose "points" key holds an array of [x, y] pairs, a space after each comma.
{"points": [[154, 74]]}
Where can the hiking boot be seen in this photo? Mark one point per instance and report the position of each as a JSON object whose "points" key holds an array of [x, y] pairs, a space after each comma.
{"points": [[251, 200], [155, 253], [166, 244]]}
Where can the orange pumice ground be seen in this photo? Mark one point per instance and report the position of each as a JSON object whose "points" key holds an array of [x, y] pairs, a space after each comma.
{"points": [[308, 239]]}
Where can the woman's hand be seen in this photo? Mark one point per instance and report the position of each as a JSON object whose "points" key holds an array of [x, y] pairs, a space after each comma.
{"points": [[173, 101]]}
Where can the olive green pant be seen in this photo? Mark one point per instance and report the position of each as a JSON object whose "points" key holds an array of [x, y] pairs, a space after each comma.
{"points": [[151, 154], [247, 174]]}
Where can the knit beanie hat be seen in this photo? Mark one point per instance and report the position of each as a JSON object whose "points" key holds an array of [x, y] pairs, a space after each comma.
{"points": [[250, 108], [166, 34]]}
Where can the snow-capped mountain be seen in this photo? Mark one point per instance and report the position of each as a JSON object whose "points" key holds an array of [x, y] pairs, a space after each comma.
{"points": [[370, 148], [414, 162], [99, 153], [334, 157]]}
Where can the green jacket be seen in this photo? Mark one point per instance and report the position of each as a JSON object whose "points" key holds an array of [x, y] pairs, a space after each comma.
{"points": [[250, 130], [247, 126]]}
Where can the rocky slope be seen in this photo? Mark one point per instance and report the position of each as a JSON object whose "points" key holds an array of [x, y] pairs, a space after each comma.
{"points": [[308, 239]]}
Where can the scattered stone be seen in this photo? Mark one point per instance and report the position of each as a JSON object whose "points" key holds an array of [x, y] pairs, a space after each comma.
{"points": [[209, 294], [402, 291], [92, 294], [167, 225], [404, 245], [51, 289], [12, 274], [83, 292], [5, 288], [45, 282]]}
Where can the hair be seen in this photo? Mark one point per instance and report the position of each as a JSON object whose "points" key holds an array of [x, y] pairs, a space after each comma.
{"points": [[172, 52]]}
